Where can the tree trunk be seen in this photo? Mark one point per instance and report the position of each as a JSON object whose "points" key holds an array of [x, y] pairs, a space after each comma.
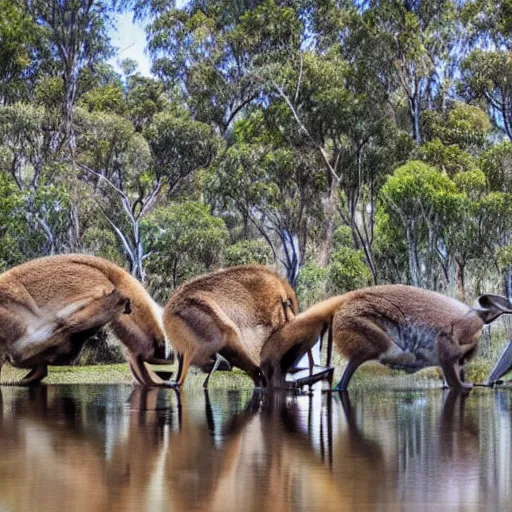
{"points": [[461, 281], [69, 101], [414, 268], [414, 113], [74, 230], [292, 256], [507, 282], [175, 273]]}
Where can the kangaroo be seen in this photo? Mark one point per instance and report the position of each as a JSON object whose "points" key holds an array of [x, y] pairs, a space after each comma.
{"points": [[50, 306], [228, 313], [401, 326]]}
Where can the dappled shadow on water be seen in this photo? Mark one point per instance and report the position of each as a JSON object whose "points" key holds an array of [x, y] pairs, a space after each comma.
{"points": [[117, 448]]}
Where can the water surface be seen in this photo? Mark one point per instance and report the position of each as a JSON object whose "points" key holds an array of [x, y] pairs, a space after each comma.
{"points": [[100, 448]]}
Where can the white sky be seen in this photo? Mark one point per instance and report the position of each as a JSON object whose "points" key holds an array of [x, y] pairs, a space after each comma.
{"points": [[130, 38]]}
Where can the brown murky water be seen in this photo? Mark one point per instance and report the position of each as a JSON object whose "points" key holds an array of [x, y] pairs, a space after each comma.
{"points": [[95, 448]]}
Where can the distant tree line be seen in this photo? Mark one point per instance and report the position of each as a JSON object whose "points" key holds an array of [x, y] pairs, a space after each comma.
{"points": [[351, 142]]}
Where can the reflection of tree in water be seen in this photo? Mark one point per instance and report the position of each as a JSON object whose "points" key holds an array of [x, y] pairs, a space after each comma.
{"points": [[443, 448], [496, 446], [112, 448]]}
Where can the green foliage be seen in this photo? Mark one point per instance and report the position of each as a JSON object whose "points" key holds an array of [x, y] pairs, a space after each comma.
{"points": [[464, 125], [473, 183], [145, 98], [102, 242], [311, 284], [19, 37], [347, 271], [505, 257], [274, 188], [108, 142], [390, 247], [450, 158], [179, 144], [49, 92], [12, 222], [248, 252], [182, 238], [467, 125], [487, 76], [496, 163], [496, 217], [425, 209], [20, 127], [108, 98], [267, 30], [415, 188], [488, 18], [342, 237]]}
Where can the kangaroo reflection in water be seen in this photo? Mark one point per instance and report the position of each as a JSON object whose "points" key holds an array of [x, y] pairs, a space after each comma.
{"points": [[46, 464], [63, 446]]}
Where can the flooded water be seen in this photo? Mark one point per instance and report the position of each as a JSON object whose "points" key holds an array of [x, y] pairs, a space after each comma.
{"points": [[100, 448]]}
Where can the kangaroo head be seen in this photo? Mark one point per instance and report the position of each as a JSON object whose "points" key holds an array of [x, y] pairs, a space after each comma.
{"points": [[489, 307]]}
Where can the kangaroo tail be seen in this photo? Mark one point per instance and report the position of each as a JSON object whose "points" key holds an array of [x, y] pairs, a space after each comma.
{"points": [[322, 311], [294, 338]]}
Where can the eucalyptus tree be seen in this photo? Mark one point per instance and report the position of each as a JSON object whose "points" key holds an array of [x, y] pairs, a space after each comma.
{"points": [[76, 32], [27, 137], [273, 186], [411, 47], [486, 77], [207, 49], [137, 171], [496, 164], [487, 23], [21, 40], [418, 199], [183, 239]]}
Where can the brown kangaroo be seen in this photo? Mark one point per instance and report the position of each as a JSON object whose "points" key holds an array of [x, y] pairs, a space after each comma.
{"points": [[229, 313], [50, 306], [401, 326]]}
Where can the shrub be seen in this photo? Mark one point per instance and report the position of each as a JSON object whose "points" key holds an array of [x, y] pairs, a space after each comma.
{"points": [[248, 252]]}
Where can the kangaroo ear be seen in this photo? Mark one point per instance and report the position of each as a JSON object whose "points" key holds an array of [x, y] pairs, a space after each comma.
{"points": [[490, 302]]}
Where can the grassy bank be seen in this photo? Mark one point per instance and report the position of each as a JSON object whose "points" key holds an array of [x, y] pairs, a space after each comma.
{"points": [[370, 375], [120, 374]]}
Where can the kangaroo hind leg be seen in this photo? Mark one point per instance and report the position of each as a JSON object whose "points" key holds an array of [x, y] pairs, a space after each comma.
{"points": [[198, 333], [364, 340], [143, 375], [452, 375], [450, 356], [185, 363]]}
